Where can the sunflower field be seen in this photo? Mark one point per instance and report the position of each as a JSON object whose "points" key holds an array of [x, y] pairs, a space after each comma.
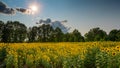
{"points": [[60, 55]]}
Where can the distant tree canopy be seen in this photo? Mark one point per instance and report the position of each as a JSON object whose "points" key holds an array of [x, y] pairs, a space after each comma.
{"points": [[18, 32], [114, 35], [96, 34], [13, 32]]}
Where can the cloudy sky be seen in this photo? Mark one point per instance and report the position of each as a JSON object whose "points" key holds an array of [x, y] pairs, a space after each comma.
{"points": [[80, 14]]}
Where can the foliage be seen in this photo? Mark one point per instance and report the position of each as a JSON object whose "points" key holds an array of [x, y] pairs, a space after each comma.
{"points": [[15, 32], [95, 34], [114, 35]]}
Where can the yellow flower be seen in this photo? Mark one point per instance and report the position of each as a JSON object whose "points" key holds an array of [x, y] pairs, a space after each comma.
{"points": [[45, 57], [113, 53]]}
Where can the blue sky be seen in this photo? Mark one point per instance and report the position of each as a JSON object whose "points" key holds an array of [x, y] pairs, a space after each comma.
{"points": [[81, 14]]}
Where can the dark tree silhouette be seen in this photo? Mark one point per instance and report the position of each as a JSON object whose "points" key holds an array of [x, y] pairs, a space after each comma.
{"points": [[58, 35], [14, 32], [114, 35], [32, 34], [1, 29], [95, 34], [18, 32], [77, 36]]}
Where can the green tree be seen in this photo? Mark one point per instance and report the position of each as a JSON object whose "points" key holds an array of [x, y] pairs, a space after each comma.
{"points": [[101, 36], [118, 36], [32, 34], [71, 37], [77, 36], [45, 33], [1, 29], [66, 37], [95, 34], [58, 35], [112, 35], [14, 32], [19, 32], [7, 31]]}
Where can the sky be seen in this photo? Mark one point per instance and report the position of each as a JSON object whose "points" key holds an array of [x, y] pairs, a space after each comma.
{"points": [[80, 14]]}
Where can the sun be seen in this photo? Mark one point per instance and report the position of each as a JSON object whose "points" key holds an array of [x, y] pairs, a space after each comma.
{"points": [[34, 8]]}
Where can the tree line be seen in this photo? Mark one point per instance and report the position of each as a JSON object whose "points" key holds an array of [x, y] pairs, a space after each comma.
{"points": [[14, 31]]}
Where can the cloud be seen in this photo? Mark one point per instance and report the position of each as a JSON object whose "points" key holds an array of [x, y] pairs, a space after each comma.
{"points": [[64, 21], [5, 10], [23, 10], [55, 24], [47, 21], [2, 5]]}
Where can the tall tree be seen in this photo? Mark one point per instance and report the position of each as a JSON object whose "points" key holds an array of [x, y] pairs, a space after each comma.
{"points": [[77, 36], [118, 36], [66, 37], [45, 33], [32, 34], [95, 34], [113, 35], [1, 29], [14, 32], [7, 32], [58, 35]]}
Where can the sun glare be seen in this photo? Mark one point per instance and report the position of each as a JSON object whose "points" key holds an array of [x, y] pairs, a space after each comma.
{"points": [[34, 8]]}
